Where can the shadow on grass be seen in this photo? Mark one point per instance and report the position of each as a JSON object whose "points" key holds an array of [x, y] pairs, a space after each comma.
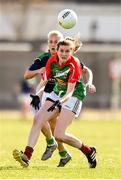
{"points": [[4, 168], [10, 168]]}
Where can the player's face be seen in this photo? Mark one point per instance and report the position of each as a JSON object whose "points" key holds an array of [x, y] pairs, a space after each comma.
{"points": [[52, 43], [64, 52]]}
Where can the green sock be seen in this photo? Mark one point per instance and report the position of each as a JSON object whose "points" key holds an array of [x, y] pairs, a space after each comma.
{"points": [[63, 153], [51, 141]]}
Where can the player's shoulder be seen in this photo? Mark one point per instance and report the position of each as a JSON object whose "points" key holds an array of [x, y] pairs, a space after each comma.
{"points": [[79, 61], [53, 58], [44, 55], [74, 60]]}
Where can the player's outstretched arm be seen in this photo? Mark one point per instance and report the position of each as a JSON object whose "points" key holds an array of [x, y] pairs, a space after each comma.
{"points": [[30, 74], [89, 80], [40, 87]]}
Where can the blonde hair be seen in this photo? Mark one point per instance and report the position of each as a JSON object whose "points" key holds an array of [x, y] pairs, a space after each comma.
{"points": [[77, 42], [56, 33]]}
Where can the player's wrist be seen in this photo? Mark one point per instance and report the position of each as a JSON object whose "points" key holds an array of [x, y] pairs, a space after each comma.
{"points": [[88, 84]]}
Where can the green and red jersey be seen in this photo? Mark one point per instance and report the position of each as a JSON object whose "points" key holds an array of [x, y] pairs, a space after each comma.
{"points": [[80, 89], [41, 61], [69, 73]]}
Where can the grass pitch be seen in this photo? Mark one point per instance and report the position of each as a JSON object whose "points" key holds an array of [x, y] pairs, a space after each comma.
{"points": [[104, 134]]}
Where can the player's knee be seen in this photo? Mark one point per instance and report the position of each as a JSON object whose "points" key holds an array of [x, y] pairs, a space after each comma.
{"points": [[59, 136]]}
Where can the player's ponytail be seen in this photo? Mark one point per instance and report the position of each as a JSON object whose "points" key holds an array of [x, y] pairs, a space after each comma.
{"points": [[77, 42]]}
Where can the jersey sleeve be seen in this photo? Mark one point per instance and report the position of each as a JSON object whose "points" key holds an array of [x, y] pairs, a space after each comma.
{"points": [[38, 63], [75, 71], [48, 68]]}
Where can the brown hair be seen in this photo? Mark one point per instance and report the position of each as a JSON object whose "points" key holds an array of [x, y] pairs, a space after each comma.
{"points": [[65, 42]]}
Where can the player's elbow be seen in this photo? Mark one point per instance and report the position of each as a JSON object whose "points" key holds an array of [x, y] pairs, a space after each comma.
{"points": [[26, 75], [58, 136], [88, 71]]}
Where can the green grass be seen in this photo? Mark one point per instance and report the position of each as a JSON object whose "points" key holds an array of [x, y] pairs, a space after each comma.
{"points": [[105, 135]]}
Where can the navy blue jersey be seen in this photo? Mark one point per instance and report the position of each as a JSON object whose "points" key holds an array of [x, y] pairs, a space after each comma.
{"points": [[39, 63]]}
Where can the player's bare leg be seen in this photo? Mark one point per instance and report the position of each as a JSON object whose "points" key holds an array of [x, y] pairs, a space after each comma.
{"points": [[65, 156], [51, 144], [40, 118], [61, 126]]}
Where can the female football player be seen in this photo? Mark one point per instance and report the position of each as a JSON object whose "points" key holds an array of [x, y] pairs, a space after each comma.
{"points": [[37, 68], [67, 71]]}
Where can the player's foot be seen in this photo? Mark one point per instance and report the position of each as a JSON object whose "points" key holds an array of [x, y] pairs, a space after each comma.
{"points": [[48, 152], [64, 161], [92, 158], [21, 158]]}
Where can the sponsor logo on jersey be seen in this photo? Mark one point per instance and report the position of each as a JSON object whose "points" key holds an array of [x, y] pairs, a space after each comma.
{"points": [[61, 82], [59, 74]]}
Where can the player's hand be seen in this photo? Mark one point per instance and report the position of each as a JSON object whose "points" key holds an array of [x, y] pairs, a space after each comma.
{"points": [[91, 88], [35, 101], [55, 105]]}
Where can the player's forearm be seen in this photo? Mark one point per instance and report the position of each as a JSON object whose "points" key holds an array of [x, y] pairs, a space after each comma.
{"points": [[69, 92], [30, 74], [89, 81], [40, 87], [88, 76], [65, 97]]}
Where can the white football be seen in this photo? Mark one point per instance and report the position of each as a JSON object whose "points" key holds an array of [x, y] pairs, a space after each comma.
{"points": [[67, 18]]}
